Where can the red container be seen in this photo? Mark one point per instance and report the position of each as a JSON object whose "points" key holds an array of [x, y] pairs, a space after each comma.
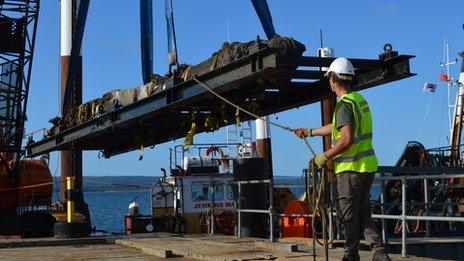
{"points": [[137, 224], [296, 226], [128, 224]]}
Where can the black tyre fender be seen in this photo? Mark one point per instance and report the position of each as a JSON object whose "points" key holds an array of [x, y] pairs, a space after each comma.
{"points": [[71, 230]]}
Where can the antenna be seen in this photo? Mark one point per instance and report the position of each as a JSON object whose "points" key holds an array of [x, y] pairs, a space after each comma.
{"points": [[228, 33], [319, 53]]}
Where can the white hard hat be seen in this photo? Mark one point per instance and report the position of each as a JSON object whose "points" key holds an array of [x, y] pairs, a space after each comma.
{"points": [[342, 67]]}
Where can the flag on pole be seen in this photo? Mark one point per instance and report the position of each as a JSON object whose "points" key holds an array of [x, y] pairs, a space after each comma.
{"points": [[443, 77], [430, 87]]}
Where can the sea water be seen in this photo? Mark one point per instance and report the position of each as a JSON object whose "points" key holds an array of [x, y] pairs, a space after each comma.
{"points": [[108, 208]]}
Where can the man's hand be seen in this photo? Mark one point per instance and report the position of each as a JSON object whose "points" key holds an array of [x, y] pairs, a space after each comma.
{"points": [[302, 132], [320, 160]]}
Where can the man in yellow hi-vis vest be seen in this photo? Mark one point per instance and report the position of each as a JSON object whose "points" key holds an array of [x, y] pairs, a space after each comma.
{"points": [[354, 159]]}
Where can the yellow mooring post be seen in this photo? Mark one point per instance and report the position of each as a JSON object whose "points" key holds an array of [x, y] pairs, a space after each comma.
{"points": [[69, 197]]}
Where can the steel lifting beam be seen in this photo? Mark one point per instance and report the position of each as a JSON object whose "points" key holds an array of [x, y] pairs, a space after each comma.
{"points": [[265, 79]]}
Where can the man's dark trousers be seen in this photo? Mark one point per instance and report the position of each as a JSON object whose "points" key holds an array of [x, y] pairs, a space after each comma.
{"points": [[354, 206]]}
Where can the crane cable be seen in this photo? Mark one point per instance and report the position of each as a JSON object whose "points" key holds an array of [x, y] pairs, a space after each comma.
{"points": [[318, 190]]}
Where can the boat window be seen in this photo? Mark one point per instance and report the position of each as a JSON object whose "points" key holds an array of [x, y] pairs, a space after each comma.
{"points": [[230, 192], [201, 191]]}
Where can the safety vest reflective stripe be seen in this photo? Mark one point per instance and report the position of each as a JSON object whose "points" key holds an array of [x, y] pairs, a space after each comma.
{"points": [[354, 158], [359, 138]]}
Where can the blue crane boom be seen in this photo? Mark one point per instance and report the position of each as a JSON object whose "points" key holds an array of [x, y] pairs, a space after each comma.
{"points": [[146, 38], [171, 32], [264, 14]]}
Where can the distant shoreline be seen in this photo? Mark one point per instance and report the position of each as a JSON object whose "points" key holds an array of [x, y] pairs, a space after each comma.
{"points": [[144, 183], [110, 191]]}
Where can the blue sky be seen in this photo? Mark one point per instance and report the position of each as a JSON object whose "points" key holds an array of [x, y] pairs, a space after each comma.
{"points": [[356, 28]]}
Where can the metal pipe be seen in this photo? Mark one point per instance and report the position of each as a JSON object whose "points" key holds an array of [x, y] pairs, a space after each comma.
{"points": [[212, 208], [263, 131], [431, 218], [426, 200], [70, 198], [452, 172], [254, 181], [434, 218], [382, 210], [170, 159], [239, 210], [422, 204], [264, 147], [439, 176], [293, 215], [65, 44], [182, 200], [66, 27], [403, 218], [271, 204], [258, 211], [152, 213]]}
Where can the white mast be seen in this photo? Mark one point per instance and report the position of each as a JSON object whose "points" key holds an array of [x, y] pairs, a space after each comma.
{"points": [[449, 83], [66, 27]]}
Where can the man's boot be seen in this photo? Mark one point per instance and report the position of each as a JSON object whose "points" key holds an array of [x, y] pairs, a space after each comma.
{"points": [[347, 256], [380, 255], [350, 258]]}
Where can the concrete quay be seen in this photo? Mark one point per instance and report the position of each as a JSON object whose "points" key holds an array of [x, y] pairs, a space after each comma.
{"points": [[174, 247]]}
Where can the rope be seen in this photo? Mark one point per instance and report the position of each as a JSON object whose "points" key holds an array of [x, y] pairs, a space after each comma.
{"points": [[318, 201], [26, 187], [250, 113], [240, 108], [425, 117]]}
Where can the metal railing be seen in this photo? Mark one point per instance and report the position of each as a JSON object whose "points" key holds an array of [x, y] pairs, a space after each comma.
{"points": [[405, 174], [239, 210], [424, 174], [269, 211]]}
